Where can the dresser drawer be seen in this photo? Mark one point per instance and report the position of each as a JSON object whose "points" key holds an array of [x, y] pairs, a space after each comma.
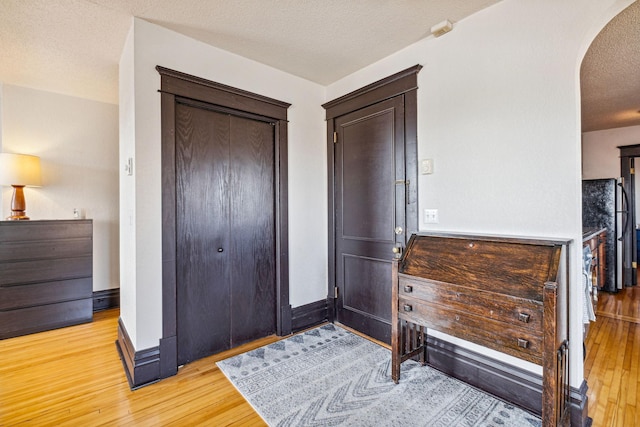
{"points": [[46, 275], [37, 231], [509, 338], [45, 270], [22, 296], [488, 305], [60, 248], [50, 316]]}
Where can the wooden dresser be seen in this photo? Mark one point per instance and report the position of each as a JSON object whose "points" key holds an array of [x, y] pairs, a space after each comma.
{"points": [[499, 292], [45, 275], [596, 238]]}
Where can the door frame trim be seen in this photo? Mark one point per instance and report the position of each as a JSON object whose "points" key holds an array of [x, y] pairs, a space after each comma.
{"points": [[403, 83], [629, 241], [175, 84]]}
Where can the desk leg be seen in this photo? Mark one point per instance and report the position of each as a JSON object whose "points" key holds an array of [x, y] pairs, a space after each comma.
{"points": [[396, 330]]}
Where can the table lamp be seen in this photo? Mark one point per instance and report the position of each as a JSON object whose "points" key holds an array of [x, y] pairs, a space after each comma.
{"points": [[18, 171]]}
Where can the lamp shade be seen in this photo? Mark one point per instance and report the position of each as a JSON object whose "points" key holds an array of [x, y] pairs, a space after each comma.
{"points": [[19, 169]]}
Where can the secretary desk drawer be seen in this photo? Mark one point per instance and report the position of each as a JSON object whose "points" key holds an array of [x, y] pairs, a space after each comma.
{"points": [[509, 338], [489, 305]]}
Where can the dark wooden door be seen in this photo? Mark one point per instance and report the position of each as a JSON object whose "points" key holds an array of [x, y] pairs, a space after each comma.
{"points": [[225, 254], [252, 228], [369, 213]]}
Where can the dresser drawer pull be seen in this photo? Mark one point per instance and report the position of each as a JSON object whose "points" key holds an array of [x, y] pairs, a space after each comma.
{"points": [[408, 288], [407, 307], [524, 317], [523, 343]]}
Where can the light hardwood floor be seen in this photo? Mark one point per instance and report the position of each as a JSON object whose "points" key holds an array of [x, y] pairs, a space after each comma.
{"points": [[613, 359], [73, 376]]}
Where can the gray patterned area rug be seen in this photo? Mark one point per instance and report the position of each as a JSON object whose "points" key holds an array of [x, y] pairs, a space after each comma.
{"points": [[329, 377]]}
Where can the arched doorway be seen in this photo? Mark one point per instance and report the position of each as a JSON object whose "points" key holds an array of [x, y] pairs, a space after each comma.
{"points": [[610, 134]]}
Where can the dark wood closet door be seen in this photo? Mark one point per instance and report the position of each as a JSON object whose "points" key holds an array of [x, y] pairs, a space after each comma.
{"points": [[203, 293], [252, 225], [225, 258], [370, 204]]}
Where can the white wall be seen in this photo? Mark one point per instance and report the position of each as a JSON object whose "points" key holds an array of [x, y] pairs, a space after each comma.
{"points": [[140, 200], [77, 142], [601, 155], [498, 111], [600, 152], [128, 294]]}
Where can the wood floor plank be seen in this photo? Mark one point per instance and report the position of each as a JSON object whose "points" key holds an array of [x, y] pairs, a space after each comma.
{"points": [[73, 376], [632, 395], [612, 360]]}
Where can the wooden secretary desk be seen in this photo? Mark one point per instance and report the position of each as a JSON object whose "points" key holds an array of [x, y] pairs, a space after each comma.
{"points": [[503, 293]]}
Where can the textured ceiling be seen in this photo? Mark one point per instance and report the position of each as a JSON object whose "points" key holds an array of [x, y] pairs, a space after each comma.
{"points": [[73, 46], [610, 74]]}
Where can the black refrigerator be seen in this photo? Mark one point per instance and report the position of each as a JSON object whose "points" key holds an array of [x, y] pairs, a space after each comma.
{"points": [[602, 208]]}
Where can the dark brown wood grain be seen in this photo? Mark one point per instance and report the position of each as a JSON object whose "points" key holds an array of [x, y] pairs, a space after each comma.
{"points": [[396, 344], [182, 84], [596, 239], [182, 89], [42, 230], [551, 363], [41, 318], [370, 142], [50, 292], [372, 190], [252, 230], [46, 249], [46, 270], [498, 335], [499, 292], [489, 305], [395, 85], [226, 231], [500, 266], [202, 228]]}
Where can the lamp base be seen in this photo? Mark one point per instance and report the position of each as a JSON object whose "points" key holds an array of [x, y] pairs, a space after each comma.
{"points": [[18, 205], [17, 216]]}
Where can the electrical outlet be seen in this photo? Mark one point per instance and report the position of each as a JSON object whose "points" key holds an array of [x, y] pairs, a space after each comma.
{"points": [[431, 216]]}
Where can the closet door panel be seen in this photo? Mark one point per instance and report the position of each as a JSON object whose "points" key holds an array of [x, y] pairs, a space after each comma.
{"points": [[202, 218], [252, 227]]}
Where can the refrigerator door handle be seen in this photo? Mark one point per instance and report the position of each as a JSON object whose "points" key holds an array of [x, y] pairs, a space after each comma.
{"points": [[625, 212]]}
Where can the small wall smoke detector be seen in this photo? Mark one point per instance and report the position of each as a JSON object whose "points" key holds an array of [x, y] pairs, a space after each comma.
{"points": [[442, 28]]}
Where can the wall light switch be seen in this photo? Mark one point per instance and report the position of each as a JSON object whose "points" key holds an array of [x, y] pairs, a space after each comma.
{"points": [[431, 216], [426, 166], [128, 167]]}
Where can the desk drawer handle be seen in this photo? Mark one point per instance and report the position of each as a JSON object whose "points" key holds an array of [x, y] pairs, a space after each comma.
{"points": [[524, 317], [522, 343], [407, 307], [408, 288]]}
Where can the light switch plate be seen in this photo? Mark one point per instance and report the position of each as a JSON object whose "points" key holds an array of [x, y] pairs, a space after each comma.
{"points": [[426, 166]]}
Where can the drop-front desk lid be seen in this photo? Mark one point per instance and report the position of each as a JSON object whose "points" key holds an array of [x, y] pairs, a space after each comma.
{"points": [[517, 266]]}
